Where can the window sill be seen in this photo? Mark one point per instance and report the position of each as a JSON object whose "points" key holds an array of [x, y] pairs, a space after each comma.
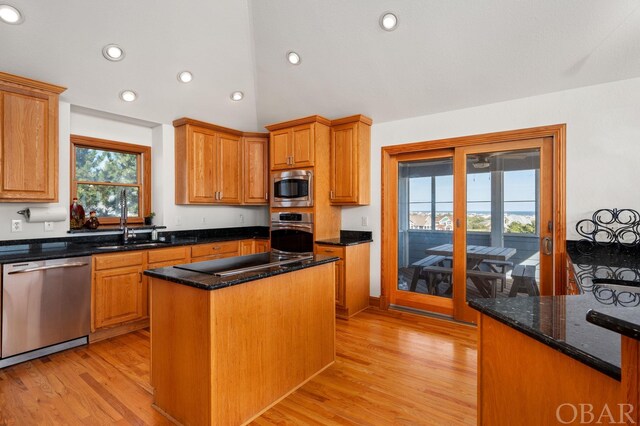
{"points": [[113, 229]]}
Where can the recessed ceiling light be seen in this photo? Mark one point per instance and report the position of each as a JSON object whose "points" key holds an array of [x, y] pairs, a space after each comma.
{"points": [[113, 52], [388, 21], [128, 95], [293, 58], [10, 15], [237, 96], [185, 76]]}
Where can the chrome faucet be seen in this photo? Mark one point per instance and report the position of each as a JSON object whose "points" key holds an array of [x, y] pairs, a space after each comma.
{"points": [[124, 211]]}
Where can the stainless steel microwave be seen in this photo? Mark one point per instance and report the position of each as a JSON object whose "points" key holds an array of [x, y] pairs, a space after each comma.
{"points": [[292, 188]]}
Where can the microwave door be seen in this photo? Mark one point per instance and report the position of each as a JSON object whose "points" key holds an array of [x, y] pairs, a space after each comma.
{"points": [[291, 189]]}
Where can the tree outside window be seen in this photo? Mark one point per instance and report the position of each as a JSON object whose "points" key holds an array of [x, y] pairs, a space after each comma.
{"points": [[101, 169]]}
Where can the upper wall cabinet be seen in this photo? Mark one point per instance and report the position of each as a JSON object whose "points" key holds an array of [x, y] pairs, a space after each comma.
{"points": [[209, 164], [256, 174], [293, 143], [28, 140], [350, 176]]}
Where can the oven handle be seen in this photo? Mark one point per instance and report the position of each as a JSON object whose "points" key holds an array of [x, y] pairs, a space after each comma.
{"points": [[284, 227], [44, 268]]}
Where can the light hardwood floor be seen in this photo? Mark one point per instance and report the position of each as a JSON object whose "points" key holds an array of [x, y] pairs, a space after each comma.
{"points": [[391, 369]]}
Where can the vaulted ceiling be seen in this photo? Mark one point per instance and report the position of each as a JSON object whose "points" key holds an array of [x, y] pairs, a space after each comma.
{"points": [[444, 55]]}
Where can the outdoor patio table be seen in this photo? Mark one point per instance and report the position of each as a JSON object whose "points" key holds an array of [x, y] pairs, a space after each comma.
{"points": [[475, 256]]}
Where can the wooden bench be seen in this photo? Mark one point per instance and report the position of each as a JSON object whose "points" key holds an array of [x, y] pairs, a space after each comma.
{"points": [[481, 279], [499, 266], [419, 267], [524, 280]]}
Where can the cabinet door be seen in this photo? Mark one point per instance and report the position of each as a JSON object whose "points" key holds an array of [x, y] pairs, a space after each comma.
{"points": [[29, 151], [119, 296], [201, 165], [344, 163], [261, 246], [256, 173], [246, 247], [303, 149], [281, 149], [229, 165]]}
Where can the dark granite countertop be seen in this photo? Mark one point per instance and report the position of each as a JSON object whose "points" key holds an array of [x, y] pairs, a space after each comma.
{"points": [[561, 323], [192, 275], [349, 238], [53, 248], [623, 321]]}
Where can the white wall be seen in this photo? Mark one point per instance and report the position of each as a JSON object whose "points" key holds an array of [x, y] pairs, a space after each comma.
{"points": [[160, 138], [603, 148]]}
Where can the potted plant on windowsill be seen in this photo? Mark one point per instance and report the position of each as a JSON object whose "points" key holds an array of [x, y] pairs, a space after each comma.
{"points": [[148, 220]]}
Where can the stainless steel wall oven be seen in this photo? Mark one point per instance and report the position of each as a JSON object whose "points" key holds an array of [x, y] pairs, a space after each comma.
{"points": [[292, 234]]}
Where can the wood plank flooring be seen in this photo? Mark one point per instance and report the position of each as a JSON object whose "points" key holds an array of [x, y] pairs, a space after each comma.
{"points": [[391, 368]]}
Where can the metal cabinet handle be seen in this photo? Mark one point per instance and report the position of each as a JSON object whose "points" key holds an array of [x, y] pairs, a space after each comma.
{"points": [[331, 194], [266, 195], [328, 251], [217, 248], [44, 268], [139, 277], [547, 246]]}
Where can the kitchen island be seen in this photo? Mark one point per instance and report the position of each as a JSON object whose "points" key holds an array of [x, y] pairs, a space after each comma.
{"points": [[553, 359], [226, 348]]}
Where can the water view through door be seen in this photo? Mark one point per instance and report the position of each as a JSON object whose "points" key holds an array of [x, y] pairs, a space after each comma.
{"points": [[425, 219], [485, 209]]}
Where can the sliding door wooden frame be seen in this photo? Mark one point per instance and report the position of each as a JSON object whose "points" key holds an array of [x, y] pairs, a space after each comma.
{"points": [[437, 304], [389, 194]]}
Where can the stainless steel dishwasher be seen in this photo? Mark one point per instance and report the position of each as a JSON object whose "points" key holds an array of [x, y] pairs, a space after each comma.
{"points": [[46, 307]]}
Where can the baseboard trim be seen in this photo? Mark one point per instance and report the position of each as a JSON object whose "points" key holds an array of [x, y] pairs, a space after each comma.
{"points": [[118, 330], [374, 301]]}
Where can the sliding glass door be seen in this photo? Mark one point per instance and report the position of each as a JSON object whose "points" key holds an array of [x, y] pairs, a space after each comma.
{"points": [[425, 220], [473, 222]]}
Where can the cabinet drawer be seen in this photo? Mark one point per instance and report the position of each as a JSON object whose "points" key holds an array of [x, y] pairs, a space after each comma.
{"points": [[337, 251], [168, 254], [221, 248], [118, 260]]}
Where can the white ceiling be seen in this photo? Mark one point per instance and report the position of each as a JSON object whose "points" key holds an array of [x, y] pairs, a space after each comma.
{"points": [[444, 55]]}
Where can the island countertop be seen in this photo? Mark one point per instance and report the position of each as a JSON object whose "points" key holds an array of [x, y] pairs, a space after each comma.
{"points": [[561, 323], [202, 274]]}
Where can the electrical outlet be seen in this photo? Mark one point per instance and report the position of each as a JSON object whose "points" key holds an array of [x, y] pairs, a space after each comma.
{"points": [[178, 221], [48, 226], [241, 218], [16, 225], [204, 219], [365, 221]]}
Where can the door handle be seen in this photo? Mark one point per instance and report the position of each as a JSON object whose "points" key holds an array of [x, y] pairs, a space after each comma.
{"points": [[44, 268], [547, 246]]}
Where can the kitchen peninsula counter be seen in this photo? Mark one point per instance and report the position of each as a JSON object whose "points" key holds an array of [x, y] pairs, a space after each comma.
{"points": [[225, 349], [539, 357]]}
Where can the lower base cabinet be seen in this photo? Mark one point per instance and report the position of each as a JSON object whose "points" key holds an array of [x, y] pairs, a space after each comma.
{"points": [[120, 299], [119, 289], [352, 277]]}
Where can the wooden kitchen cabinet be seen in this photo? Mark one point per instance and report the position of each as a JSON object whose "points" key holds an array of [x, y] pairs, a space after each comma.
{"points": [[256, 170], [350, 175], [352, 277], [208, 163], [119, 289], [261, 246], [160, 258], [211, 251], [292, 144], [253, 246], [28, 140]]}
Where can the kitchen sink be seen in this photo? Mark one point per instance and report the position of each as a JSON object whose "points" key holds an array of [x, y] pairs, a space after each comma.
{"points": [[124, 246]]}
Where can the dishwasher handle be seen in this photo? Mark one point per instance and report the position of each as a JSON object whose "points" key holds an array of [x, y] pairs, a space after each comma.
{"points": [[47, 267]]}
